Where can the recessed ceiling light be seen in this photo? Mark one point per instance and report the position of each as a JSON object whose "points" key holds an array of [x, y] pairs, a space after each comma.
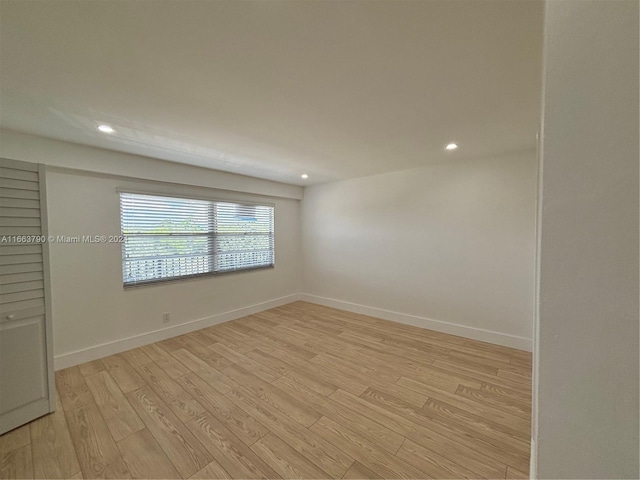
{"points": [[105, 129], [304, 175], [451, 146]]}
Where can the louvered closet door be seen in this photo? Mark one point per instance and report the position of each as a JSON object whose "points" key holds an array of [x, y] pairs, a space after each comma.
{"points": [[26, 367]]}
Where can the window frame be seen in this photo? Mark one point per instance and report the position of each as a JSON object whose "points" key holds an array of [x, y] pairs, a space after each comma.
{"points": [[211, 238]]}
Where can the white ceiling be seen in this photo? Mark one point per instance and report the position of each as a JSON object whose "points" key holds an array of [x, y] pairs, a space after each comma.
{"points": [[273, 89]]}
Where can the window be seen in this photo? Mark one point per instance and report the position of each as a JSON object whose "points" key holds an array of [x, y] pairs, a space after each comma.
{"points": [[166, 238]]}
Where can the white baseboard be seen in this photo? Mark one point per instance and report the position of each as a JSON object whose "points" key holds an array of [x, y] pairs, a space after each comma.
{"points": [[480, 334], [110, 348]]}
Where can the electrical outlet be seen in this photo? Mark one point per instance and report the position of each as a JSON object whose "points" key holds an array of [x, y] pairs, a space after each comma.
{"points": [[166, 317]]}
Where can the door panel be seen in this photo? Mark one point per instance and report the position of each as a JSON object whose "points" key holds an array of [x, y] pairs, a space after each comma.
{"points": [[26, 366], [23, 363]]}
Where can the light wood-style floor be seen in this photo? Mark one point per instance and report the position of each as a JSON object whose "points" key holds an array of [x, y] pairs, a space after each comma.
{"points": [[299, 391]]}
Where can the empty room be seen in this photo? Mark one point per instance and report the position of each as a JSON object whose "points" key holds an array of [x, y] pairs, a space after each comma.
{"points": [[319, 239]]}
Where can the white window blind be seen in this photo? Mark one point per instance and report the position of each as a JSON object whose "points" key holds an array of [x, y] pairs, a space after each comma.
{"points": [[166, 238]]}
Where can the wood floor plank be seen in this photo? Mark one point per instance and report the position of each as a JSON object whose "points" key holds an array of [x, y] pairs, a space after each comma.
{"points": [[322, 337], [284, 459], [294, 373], [485, 397], [298, 391], [54, 455], [322, 326], [348, 383], [364, 426], [497, 416], [456, 416], [435, 377], [525, 364], [262, 318], [275, 315], [201, 350], [229, 353], [302, 327], [339, 319], [489, 446], [169, 344], [178, 442], [212, 376], [464, 360], [507, 393], [122, 373], [228, 450], [513, 473], [165, 360], [389, 330], [486, 347], [374, 458], [227, 332], [439, 345], [155, 352], [415, 350], [435, 465], [320, 452], [136, 357], [220, 336], [465, 373], [72, 388], [260, 370], [273, 341], [201, 337], [317, 342], [212, 470], [16, 463], [244, 426], [328, 364], [441, 444], [288, 405], [119, 416], [16, 438], [91, 368], [384, 355], [359, 471], [292, 334], [97, 453], [416, 399], [364, 337], [354, 376], [514, 376], [412, 333], [183, 405], [521, 355], [145, 458]]}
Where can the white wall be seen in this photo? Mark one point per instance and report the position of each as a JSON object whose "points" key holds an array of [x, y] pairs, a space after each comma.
{"points": [[586, 361], [33, 148], [451, 242], [93, 315]]}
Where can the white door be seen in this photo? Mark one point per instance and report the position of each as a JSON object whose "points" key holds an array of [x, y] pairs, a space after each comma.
{"points": [[26, 364]]}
